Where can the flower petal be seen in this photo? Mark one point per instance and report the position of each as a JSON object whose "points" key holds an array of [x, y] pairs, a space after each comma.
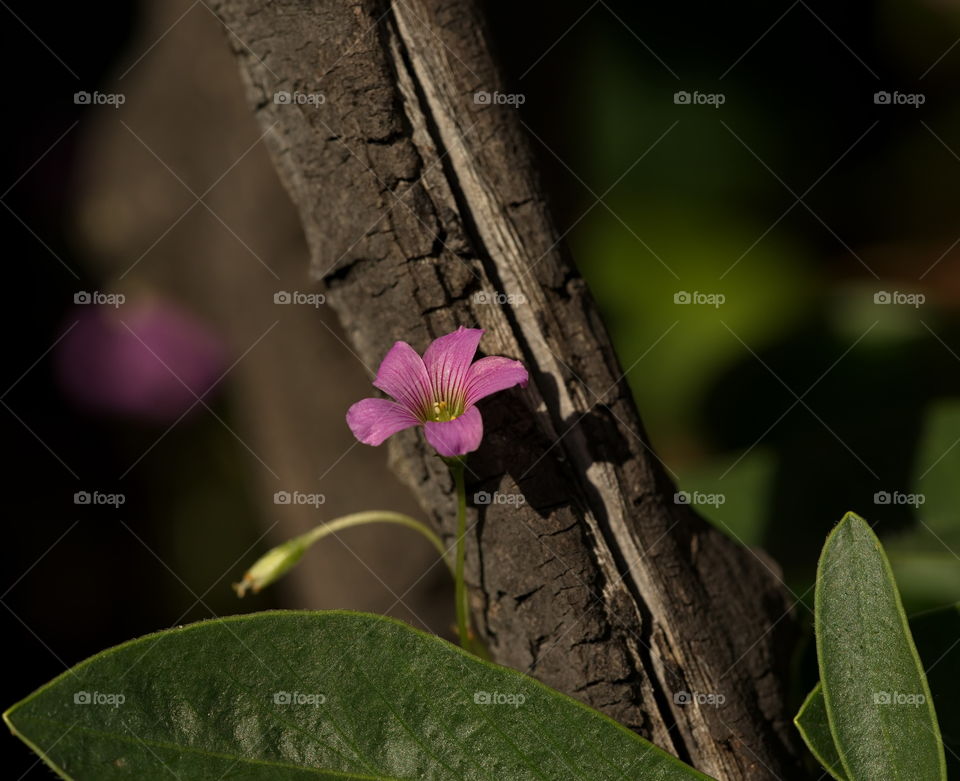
{"points": [[403, 376], [448, 359], [373, 420], [489, 375], [456, 437]]}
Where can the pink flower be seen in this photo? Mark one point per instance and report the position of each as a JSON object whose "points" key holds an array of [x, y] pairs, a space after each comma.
{"points": [[149, 360], [438, 391]]}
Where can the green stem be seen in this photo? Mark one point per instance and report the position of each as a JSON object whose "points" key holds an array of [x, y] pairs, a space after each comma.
{"points": [[460, 594], [373, 516], [275, 563]]}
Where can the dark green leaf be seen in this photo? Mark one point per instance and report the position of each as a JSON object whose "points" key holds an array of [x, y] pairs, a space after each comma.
{"points": [[937, 635], [318, 695], [877, 700]]}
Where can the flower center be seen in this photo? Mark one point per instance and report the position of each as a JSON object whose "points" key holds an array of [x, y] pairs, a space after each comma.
{"points": [[443, 411]]}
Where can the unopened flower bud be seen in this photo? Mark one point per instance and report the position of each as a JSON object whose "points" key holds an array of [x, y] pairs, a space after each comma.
{"points": [[272, 566]]}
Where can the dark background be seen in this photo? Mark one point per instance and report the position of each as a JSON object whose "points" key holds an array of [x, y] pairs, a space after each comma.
{"points": [[658, 198]]}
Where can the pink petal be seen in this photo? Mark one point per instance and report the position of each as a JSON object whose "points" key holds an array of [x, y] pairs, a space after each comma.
{"points": [[373, 420], [489, 375], [456, 437], [403, 376], [448, 359]]}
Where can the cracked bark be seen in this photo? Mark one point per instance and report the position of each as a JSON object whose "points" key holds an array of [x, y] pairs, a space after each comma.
{"points": [[423, 211]]}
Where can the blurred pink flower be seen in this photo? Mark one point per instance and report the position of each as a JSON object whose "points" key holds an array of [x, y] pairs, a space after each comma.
{"points": [[136, 360], [438, 391]]}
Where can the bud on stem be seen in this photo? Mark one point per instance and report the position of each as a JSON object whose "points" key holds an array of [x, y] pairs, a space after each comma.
{"points": [[275, 563]]}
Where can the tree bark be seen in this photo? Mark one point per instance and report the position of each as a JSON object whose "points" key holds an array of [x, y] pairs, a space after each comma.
{"points": [[423, 212]]}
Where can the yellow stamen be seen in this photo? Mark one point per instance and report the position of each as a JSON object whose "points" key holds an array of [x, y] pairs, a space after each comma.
{"points": [[443, 411]]}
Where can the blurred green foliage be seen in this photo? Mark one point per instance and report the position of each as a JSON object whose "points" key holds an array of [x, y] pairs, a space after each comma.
{"points": [[703, 199]]}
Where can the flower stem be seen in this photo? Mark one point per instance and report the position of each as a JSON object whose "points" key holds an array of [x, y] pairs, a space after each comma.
{"points": [[274, 564], [374, 516], [460, 593]]}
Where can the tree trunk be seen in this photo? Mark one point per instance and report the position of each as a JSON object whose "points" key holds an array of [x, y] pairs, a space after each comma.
{"points": [[423, 212]]}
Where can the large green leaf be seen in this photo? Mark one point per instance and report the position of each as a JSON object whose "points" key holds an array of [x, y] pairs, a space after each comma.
{"points": [[337, 694], [937, 635], [877, 700]]}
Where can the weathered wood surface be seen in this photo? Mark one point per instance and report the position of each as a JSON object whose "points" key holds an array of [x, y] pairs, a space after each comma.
{"points": [[420, 206]]}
